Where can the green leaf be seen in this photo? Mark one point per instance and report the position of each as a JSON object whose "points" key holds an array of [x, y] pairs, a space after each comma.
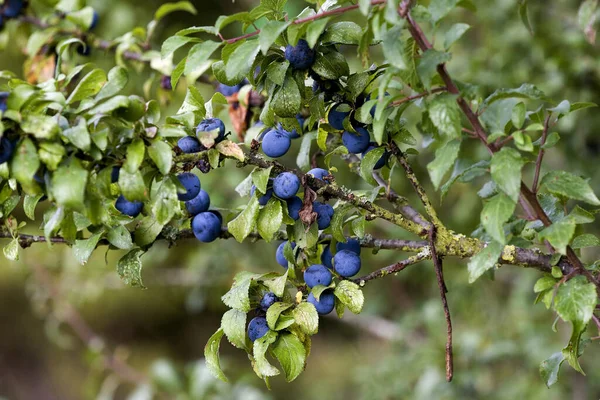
{"points": [[586, 17], [291, 354], [30, 203], [162, 155], [169, 8], [242, 58], [303, 158], [287, 101], [314, 31], [350, 295], [549, 368], [172, 43], [331, 65], [306, 317], [367, 164], [78, 135], [68, 184], [345, 32], [525, 91], [484, 260], [120, 237], [445, 115], [24, 164], [260, 178], [506, 171], [494, 215], [524, 14], [129, 268], [40, 126], [132, 185], [270, 219], [444, 160], [455, 32], [199, 54], [11, 250], [440, 8], [277, 284], [211, 355], [565, 184], [238, 296], [88, 86], [262, 367], [544, 283], [392, 46], [51, 154], [269, 34], [82, 250], [337, 221], [147, 231], [274, 312], [243, 224], [572, 351], [559, 234], [233, 324], [117, 80], [586, 240], [576, 300], [428, 65]]}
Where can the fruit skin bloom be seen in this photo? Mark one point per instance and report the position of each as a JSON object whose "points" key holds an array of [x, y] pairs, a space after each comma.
{"points": [[198, 204], [318, 173], [6, 149], [276, 143], [281, 260], [257, 328], [317, 275], [336, 118], [190, 144], [346, 263], [286, 185], [268, 300], [300, 56], [294, 205], [324, 214], [131, 208], [212, 124], [206, 227], [325, 303], [356, 142], [191, 183]]}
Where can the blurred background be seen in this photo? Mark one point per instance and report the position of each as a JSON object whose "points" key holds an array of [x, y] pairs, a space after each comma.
{"points": [[395, 349]]}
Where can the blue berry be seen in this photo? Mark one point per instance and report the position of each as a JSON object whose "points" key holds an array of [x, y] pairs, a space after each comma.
{"points": [[294, 206], [218, 215], [264, 199], [276, 143], [336, 118], [228, 91], [198, 204], [318, 173], [352, 245], [381, 162], [6, 149], [325, 303], [3, 95], [191, 183], [324, 214], [327, 257], [12, 8], [206, 227], [356, 142], [346, 263], [212, 124], [317, 275], [300, 56], [114, 174], [268, 300], [281, 260], [286, 185], [190, 144], [257, 328], [95, 20], [131, 208]]}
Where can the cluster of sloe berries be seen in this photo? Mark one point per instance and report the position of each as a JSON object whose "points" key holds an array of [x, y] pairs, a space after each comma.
{"points": [[11, 9]]}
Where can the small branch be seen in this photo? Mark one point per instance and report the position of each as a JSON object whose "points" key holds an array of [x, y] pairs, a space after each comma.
{"points": [[439, 273], [418, 96], [540, 157], [394, 268], [597, 322]]}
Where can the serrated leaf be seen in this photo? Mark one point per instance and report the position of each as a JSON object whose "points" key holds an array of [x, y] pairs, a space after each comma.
{"points": [[287, 100], [198, 55], [147, 231], [345, 32], [445, 115], [82, 250], [455, 32], [585, 240], [242, 58], [68, 184], [260, 178], [306, 317], [391, 46], [169, 8], [30, 203], [277, 284], [24, 164], [88, 86], [135, 155], [269, 34], [129, 268], [550, 367], [428, 65], [243, 224], [576, 300], [368, 162], [274, 312], [495, 214], [162, 156], [270, 219], [211, 355], [331, 65], [230, 149], [233, 324], [350, 294], [291, 354], [120, 237], [303, 158], [484, 260], [565, 184], [525, 91], [11, 250], [444, 160], [262, 366], [238, 296], [506, 171]]}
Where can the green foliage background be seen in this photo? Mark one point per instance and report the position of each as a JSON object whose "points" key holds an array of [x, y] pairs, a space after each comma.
{"points": [[500, 337]]}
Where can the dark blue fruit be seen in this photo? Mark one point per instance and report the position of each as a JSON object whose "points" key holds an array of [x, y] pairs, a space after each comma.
{"points": [[114, 174], [131, 208], [257, 328], [356, 142], [227, 90], [276, 143], [281, 260], [190, 144], [12, 8], [325, 303], [210, 125], [346, 263], [294, 206], [6, 149], [317, 275], [191, 183], [336, 118], [218, 215], [381, 162], [84, 50], [268, 300], [206, 227], [95, 20], [300, 56], [3, 95], [198, 204], [1, 22], [352, 245], [286, 185], [264, 199], [327, 257], [324, 214], [318, 173]]}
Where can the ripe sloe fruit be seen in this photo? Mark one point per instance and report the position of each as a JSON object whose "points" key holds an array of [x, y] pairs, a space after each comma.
{"points": [[325, 303], [257, 328], [356, 143], [191, 183], [131, 208], [300, 56], [317, 275], [198, 204], [268, 300], [294, 206], [346, 263], [286, 185], [189, 144], [276, 143], [206, 227]]}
